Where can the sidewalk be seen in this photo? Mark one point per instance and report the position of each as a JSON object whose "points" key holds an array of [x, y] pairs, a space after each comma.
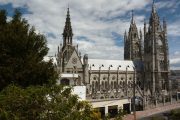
{"points": [[149, 112]]}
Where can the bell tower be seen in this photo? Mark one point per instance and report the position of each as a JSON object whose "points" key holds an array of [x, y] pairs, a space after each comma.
{"points": [[66, 49], [132, 42], [156, 55]]}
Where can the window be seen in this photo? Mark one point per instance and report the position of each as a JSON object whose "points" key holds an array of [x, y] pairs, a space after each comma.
{"points": [[92, 84], [106, 85], [96, 85], [115, 84], [112, 85]]}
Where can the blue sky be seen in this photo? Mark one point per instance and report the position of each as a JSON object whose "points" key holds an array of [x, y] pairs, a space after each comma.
{"points": [[98, 25]]}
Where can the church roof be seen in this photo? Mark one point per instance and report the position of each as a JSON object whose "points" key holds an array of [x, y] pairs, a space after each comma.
{"points": [[96, 64]]}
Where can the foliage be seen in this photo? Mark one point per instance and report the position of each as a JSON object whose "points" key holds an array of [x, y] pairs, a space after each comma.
{"points": [[21, 54], [175, 114], [43, 103], [157, 118], [120, 114]]}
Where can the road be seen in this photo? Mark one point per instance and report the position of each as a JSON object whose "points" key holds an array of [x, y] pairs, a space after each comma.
{"points": [[150, 112]]}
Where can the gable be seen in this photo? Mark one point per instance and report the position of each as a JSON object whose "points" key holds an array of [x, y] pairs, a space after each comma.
{"points": [[74, 61]]}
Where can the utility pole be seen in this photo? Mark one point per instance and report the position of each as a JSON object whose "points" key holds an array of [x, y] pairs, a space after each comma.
{"points": [[134, 91]]}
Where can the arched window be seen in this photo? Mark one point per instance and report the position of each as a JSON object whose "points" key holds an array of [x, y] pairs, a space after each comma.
{"points": [[123, 83], [112, 85], [93, 85], [115, 84], [120, 83], [96, 85], [106, 85]]}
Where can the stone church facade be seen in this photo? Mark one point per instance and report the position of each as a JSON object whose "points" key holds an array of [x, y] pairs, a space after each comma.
{"points": [[154, 56], [145, 66]]}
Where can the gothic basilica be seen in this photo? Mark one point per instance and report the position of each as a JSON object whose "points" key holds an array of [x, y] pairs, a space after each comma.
{"points": [[109, 83]]}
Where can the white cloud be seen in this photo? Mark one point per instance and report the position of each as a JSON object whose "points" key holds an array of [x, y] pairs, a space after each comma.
{"points": [[95, 20], [173, 28]]}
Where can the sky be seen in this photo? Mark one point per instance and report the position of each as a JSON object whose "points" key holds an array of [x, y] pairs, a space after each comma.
{"points": [[98, 25]]}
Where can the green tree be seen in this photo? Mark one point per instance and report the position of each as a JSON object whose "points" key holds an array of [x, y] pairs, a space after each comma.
{"points": [[21, 54], [120, 114], [175, 114], [43, 103]]}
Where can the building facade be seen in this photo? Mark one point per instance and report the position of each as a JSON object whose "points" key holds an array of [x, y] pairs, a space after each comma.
{"points": [[145, 66]]}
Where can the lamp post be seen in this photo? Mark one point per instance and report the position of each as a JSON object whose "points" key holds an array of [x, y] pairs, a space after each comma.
{"points": [[117, 78], [126, 80], [134, 91]]}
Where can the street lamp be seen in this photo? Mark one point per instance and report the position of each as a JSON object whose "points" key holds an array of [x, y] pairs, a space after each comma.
{"points": [[134, 91]]}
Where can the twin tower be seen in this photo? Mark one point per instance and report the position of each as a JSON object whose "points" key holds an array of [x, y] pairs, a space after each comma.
{"points": [[152, 50]]}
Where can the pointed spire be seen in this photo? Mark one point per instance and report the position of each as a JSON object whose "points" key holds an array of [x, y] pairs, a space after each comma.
{"points": [[154, 18], [125, 33], [132, 19], [140, 33], [67, 33], [125, 36], [68, 28], [164, 25], [153, 13], [144, 27], [153, 7]]}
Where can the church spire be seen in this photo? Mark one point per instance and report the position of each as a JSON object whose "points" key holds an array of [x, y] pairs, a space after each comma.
{"points": [[132, 19], [154, 16], [67, 33], [132, 24], [153, 7]]}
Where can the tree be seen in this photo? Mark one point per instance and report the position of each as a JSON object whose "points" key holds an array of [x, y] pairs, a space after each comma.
{"points": [[174, 114], [43, 103], [21, 54]]}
